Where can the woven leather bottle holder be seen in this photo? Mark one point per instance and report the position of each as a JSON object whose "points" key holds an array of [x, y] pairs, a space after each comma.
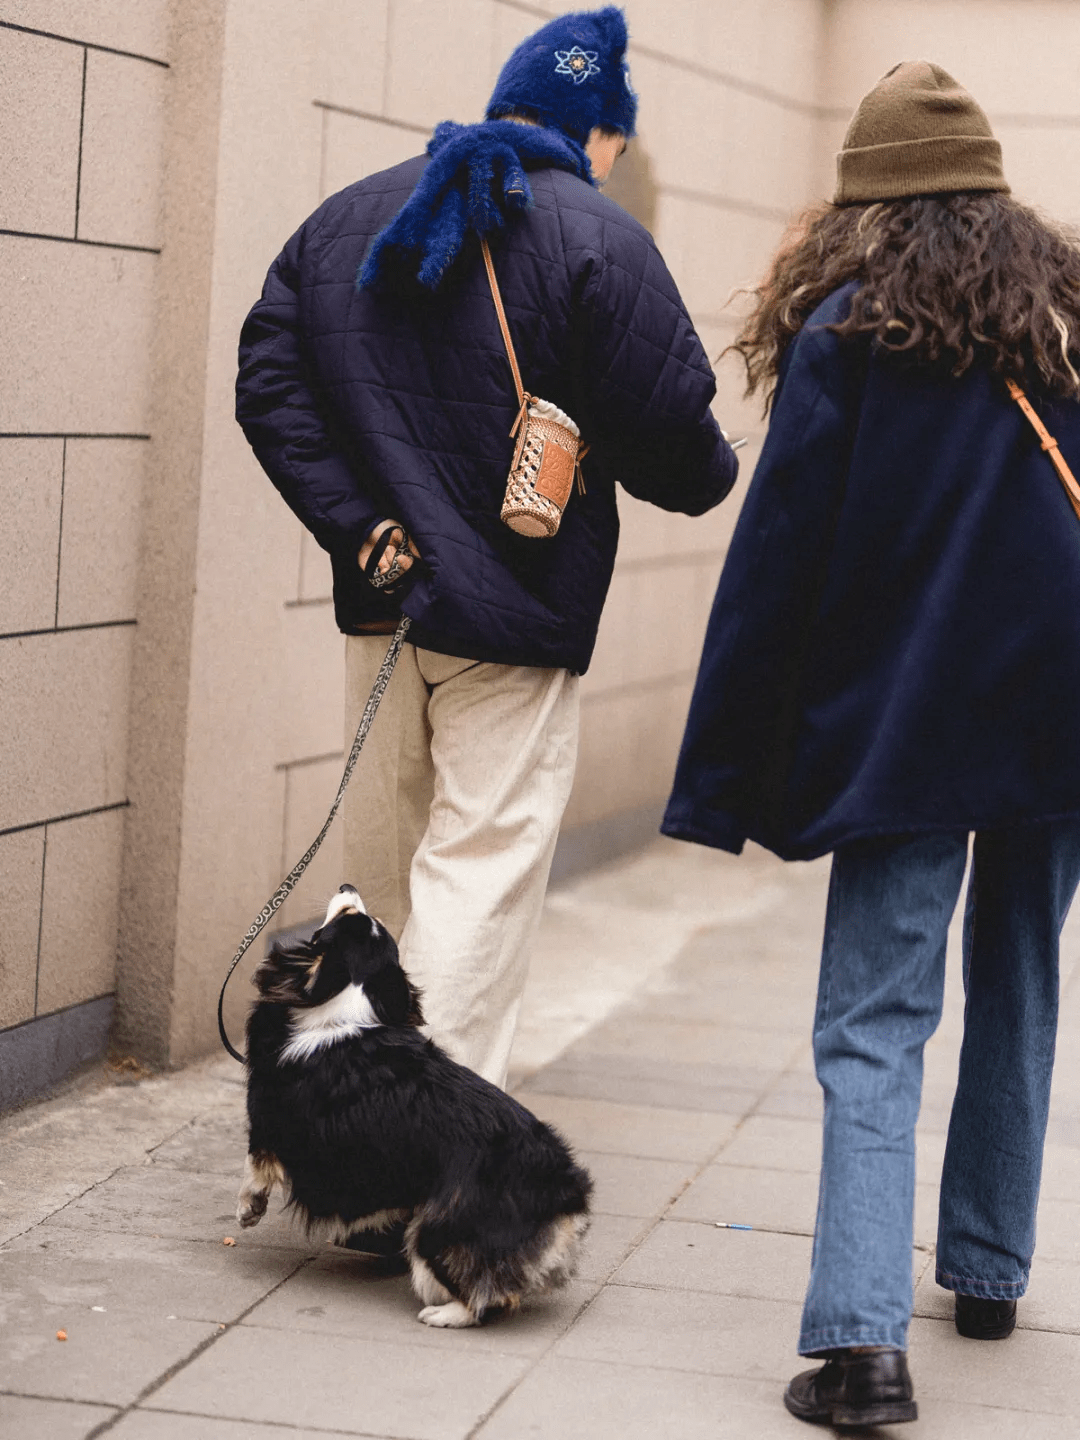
{"points": [[548, 455], [1049, 444]]}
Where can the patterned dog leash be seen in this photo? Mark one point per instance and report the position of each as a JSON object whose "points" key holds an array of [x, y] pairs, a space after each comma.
{"points": [[288, 885]]}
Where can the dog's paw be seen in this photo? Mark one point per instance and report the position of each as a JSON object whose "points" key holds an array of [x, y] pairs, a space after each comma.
{"points": [[452, 1316], [250, 1208]]}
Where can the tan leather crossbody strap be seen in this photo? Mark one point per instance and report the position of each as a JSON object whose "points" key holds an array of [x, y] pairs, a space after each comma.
{"points": [[504, 327], [1049, 444]]}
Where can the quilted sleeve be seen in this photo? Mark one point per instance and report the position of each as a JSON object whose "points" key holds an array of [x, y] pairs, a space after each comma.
{"points": [[287, 421], [648, 383]]}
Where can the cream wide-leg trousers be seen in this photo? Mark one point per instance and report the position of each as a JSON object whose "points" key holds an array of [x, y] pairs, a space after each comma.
{"points": [[451, 820]]}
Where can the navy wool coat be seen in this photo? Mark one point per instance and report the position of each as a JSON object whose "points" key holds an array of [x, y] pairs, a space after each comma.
{"points": [[894, 647], [364, 406]]}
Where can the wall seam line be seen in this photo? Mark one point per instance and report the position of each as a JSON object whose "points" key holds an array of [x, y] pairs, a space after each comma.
{"points": [[41, 919], [60, 533], [68, 435], [330, 105], [60, 819], [386, 53], [82, 127], [69, 629], [79, 239], [21, 1025], [86, 44], [324, 759]]}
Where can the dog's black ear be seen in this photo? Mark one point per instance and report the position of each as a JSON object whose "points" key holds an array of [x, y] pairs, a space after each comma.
{"points": [[392, 998]]}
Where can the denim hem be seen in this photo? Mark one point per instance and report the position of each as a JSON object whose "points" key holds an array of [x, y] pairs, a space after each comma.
{"points": [[981, 1289], [818, 1343]]}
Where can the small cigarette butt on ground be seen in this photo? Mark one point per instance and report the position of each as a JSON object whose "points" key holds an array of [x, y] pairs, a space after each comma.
{"points": [[228, 1240], [61, 1334], [727, 1225]]}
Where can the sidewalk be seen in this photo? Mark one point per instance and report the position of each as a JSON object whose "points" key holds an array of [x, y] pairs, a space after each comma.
{"points": [[666, 1033]]}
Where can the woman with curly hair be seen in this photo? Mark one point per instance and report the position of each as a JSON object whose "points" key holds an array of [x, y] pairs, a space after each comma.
{"points": [[893, 665]]}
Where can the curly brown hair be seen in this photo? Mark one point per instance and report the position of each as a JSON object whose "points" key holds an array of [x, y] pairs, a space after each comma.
{"points": [[945, 282]]}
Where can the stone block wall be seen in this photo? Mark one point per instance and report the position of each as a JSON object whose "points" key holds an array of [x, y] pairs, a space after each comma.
{"points": [[81, 102]]}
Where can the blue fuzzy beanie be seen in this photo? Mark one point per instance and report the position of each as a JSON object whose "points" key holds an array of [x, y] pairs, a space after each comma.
{"points": [[571, 75]]}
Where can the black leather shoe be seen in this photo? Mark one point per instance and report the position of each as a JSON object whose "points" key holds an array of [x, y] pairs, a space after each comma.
{"points": [[866, 1387], [980, 1319]]}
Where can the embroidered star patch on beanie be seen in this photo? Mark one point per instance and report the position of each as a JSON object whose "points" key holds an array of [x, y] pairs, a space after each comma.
{"points": [[572, 75]]}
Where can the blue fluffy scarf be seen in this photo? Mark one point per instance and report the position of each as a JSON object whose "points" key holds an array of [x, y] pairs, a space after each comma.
{"points": [[475, 181]]}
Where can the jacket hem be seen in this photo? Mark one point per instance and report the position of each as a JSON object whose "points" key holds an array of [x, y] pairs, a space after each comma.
{"points": [[732, 837]]}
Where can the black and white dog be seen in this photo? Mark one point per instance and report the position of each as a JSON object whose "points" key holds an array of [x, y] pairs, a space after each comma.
{"points": [[367, 1123]]}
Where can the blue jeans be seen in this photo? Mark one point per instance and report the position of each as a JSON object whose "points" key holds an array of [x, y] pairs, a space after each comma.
{"points": [[879, 1001]]}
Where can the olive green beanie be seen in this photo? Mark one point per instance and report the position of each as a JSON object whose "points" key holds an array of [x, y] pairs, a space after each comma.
{"points": [[917, 133]]}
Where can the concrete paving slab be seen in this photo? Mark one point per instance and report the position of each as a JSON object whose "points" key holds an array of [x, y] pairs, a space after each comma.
{"points": [[765, 1199], [180, 1205], [604, 935], [158, 1279], [168, 1425], [728, 995], [22, 1417], [678, 1255], [339, 1295], [565, 1399], [768, 1142], [629, 1185], [1051, 1303], [667, 1085], [1064, 1130], [941, 1420], [647, 1131], [759, 1052], [1032, 1370], [56, 1150], [1058, 1230], [693, 1332], [108, 1359], [669, 1330], [926, 1215], [214, 1143], [415, 1391], [610, 1240]]}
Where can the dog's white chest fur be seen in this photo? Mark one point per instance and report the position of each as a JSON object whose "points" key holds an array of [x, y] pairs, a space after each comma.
{"points": [[349, 1012]]}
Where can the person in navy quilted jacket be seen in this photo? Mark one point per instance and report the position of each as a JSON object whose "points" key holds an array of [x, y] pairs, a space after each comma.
{"points": [[375, 389]]}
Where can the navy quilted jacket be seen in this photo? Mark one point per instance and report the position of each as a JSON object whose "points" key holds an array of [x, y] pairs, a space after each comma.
{"points": [[363, 406]]}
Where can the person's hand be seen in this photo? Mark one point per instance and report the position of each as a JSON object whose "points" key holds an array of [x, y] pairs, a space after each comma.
{"points": [[386, 559]]}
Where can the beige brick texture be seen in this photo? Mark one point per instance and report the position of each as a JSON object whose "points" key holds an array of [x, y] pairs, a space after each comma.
{"points": [[140, 26], [121, 151], [99, 558], [76, 338], [40, 106], [80, 903], [30, 487], [439, 62], [354, 148], [21, 858], [63, 723], [352, 61], [312, 674]]}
